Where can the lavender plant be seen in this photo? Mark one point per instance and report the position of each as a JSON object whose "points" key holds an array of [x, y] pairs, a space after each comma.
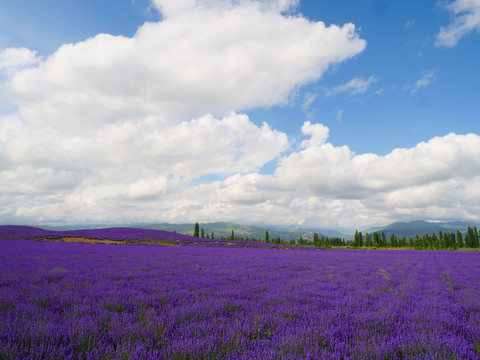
{"points": [[82, 301]]}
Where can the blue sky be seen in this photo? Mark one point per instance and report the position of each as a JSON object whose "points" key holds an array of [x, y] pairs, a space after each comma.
{"points": [[322, 126]]}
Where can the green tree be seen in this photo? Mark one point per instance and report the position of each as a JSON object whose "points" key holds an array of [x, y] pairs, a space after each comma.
{"points": [[232, 237], [476, 242], [376, 239], [202, 233], [368, 240], [356, 242], [267, 237], [384, 240], [435, 241], [316, 240], [196, 230], [469, 242], [393, 241], [459, 239]]}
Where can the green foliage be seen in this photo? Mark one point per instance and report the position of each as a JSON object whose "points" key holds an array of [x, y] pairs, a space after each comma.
{"points": [[196, 230]]}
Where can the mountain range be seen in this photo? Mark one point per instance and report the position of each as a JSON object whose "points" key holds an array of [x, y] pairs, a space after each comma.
{"points": [[412, 228], [220, 229], [224, 229]]}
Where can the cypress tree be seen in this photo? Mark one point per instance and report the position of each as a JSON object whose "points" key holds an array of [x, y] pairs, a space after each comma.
{"points": [[476, 243], [459, 239], [202, 234], [316, 241], [469, 238], [384, 240], [435, 242], [267, 237], [410, 242], [196, 230], [393, 241], [376, 239]]}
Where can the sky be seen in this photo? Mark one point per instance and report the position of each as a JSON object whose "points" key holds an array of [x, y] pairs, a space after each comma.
{"points": [[339, 114]]}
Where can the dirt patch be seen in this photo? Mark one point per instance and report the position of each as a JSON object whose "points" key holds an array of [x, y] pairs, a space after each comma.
{"points": [[89, 240]]}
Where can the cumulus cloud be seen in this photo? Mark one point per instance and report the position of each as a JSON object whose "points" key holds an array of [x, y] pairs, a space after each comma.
{"points": [[111, 125], [173, 8], [204, 57], [333, 186], [339, 172], [142, 149], [118, 129], [17, 58], [466, 20], [317, 185], [318, 134]]}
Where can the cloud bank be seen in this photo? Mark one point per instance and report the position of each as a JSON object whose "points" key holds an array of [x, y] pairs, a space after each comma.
{"points": [[150, 128]]}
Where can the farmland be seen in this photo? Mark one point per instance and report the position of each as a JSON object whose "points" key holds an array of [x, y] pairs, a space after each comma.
{"points": [[223, 301]]}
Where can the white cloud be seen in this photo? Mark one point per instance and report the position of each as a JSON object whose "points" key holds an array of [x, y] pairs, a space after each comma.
{"points": [[117, 129], [144, 148], [355, 86], [108, 127], [308, 100], [205, 57], [332, 186], [318, 134], [425, 80], [320, 185], [466, 20], [409, 24], [339, 116], [17, 58], [175, 8]]}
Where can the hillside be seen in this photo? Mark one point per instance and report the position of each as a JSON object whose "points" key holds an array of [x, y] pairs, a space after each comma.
{"points": [[124, 235], [412, 228], [220, 229], [224, 229]]}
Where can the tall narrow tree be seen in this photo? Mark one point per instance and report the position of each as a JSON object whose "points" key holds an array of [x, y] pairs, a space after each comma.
{"points": [[316, 240], [459, 239]]}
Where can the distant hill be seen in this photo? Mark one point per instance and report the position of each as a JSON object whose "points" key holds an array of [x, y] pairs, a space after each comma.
{"points": [[412, 228], [225, 229], [218, 228]]}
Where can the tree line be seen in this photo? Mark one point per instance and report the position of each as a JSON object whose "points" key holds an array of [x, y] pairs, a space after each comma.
{"points": [[318, 241], [441, 241]]}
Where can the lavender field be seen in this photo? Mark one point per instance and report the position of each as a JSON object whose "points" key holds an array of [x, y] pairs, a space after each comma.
{"points": [[62, 300]]}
